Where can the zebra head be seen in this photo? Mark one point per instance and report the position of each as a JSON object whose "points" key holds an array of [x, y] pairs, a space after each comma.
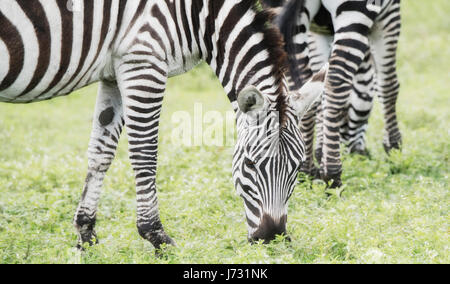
{"points": [[268, 156]]}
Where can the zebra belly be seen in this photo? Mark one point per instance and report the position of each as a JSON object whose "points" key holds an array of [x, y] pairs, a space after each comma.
{"points": [[65, 85], [18, 96]]}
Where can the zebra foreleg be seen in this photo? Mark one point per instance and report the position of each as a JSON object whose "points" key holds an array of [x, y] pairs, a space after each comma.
{"points": [[107, 127], [307, 128], [142, 87], [300, 56]]}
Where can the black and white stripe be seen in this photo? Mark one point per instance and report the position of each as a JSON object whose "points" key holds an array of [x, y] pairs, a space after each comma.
{"points": [[131, 48], [357, 112], [361, 50]]}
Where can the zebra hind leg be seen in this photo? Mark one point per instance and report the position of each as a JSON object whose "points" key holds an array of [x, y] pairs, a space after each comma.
{"points": [[107, 127], [349, 50], [385, 42], [353, 133]]}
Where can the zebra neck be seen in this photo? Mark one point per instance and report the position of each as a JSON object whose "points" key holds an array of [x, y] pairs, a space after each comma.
{"points": [[243, 49]]}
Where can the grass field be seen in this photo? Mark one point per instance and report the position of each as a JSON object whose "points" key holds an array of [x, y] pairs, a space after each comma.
{"points": [[393, 210]]}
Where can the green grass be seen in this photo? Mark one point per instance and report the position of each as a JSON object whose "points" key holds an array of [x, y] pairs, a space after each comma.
{"points": [[393, 210]]}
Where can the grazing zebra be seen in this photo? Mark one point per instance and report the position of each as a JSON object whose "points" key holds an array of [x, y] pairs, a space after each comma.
{"points": [[49, 48], [359, 40]]}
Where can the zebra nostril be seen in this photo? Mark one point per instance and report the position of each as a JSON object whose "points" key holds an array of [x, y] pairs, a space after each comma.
{"points": [[269, 228]]}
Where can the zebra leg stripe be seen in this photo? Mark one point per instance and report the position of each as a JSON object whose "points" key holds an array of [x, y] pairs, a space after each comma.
{"points": [[107, 127], [320, 48], [348, 53], [142, 86], [353, 133], [307, 123], [385, 59], [307, 126]]}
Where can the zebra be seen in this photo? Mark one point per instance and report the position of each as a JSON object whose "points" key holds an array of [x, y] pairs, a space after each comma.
{"points": [[359, 39], [50, 48]]}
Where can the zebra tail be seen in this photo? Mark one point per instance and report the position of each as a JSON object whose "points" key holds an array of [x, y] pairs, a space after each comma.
{"points": [[287, 23]]}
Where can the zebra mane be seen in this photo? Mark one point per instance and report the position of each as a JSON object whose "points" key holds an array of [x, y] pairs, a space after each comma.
{"points": [[272, 42], [278, 57]]}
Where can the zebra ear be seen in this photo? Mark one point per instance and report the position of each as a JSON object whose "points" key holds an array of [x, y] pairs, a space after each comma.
{"points": [[250, 100], [302, 100]]}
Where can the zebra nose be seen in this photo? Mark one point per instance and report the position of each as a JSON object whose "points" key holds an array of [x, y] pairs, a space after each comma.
{"points": [[269, 228]]}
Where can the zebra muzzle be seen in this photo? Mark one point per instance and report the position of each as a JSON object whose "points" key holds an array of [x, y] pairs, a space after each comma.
{"points": [[269, 228]]}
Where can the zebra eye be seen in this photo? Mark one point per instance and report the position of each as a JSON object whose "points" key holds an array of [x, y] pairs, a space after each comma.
{"points": [[249, 163]]}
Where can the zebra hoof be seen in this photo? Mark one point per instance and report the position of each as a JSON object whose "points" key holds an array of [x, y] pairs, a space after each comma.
{"points": [[392, 142], [162, 250], [86, 233], [332, 180], [336, 183], [157, 238], [313, 172], [388, 148], [361, 152], [87, 237]]}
